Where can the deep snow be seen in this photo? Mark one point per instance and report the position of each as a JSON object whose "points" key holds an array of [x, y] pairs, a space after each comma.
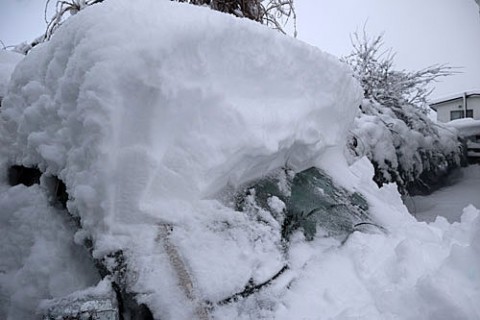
{"points": [[148, 112]]}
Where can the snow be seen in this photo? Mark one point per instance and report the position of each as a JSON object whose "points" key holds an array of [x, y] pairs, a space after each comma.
{"points": [[96, 302], [150, 113], [466, 126], [39, 258]]}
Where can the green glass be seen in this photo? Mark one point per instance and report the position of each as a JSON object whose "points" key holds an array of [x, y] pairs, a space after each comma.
{"points": [[312, 200]]}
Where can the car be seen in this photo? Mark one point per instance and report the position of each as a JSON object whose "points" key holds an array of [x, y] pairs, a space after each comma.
{"points": [[469, 130]]}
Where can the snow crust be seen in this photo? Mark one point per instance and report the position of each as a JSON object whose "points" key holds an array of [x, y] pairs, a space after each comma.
{"points": [[148, 112], [413, 271]]}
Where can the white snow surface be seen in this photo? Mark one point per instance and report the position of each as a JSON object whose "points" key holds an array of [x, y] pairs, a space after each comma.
{"points": [[409, 144], [148, 111]]}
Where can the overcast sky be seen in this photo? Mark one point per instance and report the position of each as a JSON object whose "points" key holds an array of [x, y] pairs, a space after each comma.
{"points": [[422, 32]]}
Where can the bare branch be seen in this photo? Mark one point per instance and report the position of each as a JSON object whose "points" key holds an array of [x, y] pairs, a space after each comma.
{"points": [[273, 13], [374, 68]]}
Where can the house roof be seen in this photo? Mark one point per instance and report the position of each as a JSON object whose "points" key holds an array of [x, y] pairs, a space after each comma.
{"points": [[435, 102]]}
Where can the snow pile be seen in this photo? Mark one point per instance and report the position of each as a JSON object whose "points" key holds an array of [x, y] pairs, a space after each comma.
{"points": [[405, 146], [201, 107], [39, 259], [413, 271], [146, 132], [417, 272], [152, 134]]}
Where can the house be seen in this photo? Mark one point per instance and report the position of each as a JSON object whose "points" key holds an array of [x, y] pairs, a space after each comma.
{"points": [[458, 106]]}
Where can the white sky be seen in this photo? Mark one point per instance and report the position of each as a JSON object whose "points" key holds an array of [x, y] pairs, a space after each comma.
{"points": [[422, 32]]}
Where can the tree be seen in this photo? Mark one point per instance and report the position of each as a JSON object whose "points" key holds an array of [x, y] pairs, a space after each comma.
{"points": [[273, 13], [374, 68], [392, 129]]}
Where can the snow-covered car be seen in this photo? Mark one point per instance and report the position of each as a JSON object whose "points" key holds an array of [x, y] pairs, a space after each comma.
{"points": [[191, 165], [469, 129]]}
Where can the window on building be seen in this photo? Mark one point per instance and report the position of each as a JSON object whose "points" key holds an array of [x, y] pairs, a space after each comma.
{"points": [[459, 114], [456, 114]]}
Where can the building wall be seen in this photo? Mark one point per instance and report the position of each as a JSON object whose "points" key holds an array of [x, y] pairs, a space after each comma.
{"points": [[474, 103], [444, 109]]}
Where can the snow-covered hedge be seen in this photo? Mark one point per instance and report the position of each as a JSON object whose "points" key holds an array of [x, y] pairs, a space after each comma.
{"points": [[405, 146]]}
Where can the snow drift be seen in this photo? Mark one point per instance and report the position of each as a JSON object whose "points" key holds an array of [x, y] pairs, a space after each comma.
{"points": [[150, 112]]}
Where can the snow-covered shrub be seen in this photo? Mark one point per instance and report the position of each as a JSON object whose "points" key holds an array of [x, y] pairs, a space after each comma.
{"points": [[393, 129], [404, 145]]}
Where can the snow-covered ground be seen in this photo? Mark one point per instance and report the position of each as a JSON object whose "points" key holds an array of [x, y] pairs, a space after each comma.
{"points": [[155, 114], [462, 189]]}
